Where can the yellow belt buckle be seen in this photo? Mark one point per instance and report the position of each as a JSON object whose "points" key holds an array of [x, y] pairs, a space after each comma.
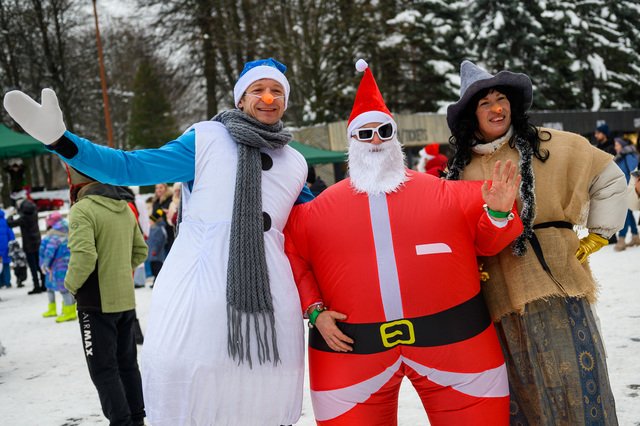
{"points": [[386, 336]]}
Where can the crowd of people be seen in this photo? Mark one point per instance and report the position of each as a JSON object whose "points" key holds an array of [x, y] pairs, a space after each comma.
{"points": [[385, 265]]}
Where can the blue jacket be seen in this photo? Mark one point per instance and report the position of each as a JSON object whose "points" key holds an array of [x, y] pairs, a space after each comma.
{"points": [[157, 241], [627, 160], [172, 162], [6, 235]]}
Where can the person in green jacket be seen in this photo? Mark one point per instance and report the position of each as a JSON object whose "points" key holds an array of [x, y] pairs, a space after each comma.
{"points": [[106, 245]]}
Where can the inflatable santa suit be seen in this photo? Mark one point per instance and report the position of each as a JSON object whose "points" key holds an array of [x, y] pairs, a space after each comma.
{"points": [[395, 251]]}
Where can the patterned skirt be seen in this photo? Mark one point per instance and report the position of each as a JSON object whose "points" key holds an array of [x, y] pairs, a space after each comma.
{"points": [[556, 363]]}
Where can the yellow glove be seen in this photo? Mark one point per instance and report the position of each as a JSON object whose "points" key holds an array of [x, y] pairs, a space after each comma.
{"points": [[589, 245]]}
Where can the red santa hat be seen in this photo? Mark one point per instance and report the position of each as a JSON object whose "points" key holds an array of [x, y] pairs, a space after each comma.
{"points": [[368, 107], [432, 149]]}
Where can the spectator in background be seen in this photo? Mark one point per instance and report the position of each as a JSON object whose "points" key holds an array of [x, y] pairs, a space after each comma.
{"points": [[143, 211], [173, 214], [603, 141], [19, 259], [6, 236], [106, 245], [162, 200], [627, 159], [54, 261], [157, 242], [162, 197], [315, 183], [27, 219], [16, 170], [431, 161]]}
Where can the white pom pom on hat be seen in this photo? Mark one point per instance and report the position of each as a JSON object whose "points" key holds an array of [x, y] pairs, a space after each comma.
{"points": [[361, 65]]}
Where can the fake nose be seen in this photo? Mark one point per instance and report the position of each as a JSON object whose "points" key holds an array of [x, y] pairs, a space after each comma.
{"points": [[496, 108], [267, 98]]}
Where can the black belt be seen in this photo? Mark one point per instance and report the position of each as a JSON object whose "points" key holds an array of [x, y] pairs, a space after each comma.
{"points": [[453, 325], [537, 249]]}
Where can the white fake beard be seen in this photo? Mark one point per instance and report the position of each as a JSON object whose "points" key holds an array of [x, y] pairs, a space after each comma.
{"points": [[376, 169]]}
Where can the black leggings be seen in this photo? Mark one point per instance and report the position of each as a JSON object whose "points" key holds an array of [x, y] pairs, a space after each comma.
{"points": [[33, 259]]}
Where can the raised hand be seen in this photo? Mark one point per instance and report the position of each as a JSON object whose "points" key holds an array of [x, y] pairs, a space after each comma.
{"points": [[42, 121], [501, 192]]}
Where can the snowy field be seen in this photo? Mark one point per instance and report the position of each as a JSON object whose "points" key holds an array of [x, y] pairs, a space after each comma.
{"points": [[44, 379]]}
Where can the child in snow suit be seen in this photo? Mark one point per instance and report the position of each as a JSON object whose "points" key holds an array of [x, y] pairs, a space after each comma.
{"points": [[54, 260], [157, 241], [19, 259]]}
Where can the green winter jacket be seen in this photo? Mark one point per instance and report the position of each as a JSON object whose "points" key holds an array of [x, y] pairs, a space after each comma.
{"points": [[106, 245]]}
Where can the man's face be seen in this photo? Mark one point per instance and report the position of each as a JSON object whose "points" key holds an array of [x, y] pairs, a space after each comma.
{"points": [[600, 137], [494, 115], [264, 101], [376, 166]]}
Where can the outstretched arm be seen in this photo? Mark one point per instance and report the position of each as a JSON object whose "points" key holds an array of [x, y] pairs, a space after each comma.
{"points": [[174, 162]]}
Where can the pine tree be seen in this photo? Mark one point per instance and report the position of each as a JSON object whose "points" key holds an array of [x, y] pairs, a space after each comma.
{"points": [[627, 13], [586, 56], [151, 123], [425, 43], [506, 35]]}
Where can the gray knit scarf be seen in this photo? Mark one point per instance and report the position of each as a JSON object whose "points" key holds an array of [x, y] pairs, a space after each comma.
{"points": [[527, 193], [249, 301]]}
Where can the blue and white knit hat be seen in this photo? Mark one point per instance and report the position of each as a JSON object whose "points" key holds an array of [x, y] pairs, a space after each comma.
{"points": [[257, 70]]}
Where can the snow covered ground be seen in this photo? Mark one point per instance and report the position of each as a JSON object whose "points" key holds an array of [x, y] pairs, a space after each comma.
{"points": [[44, 379]]}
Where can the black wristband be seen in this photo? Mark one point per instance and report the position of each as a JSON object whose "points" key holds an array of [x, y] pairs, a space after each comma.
{"points": [[65, 147]]}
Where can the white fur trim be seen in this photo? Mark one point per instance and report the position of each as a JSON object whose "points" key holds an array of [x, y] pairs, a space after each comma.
{"points": [[491, 147], [258, 73], [368, 117], [361, 65]]}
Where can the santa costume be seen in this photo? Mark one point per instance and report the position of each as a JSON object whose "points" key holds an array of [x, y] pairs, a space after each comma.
{"points": [[398, 257], [431, 161]]}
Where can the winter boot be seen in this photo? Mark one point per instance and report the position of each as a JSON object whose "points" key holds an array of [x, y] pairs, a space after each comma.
{"points": [[620, 245], [635, 241], [51, 312], [68, 313]]}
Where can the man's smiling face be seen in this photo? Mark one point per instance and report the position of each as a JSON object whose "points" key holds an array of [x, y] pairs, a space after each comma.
{"points": [[253, 102]]}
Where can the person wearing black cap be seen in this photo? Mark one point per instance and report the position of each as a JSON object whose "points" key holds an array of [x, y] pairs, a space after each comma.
{"points": [[603, 140], [540, 290]]}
